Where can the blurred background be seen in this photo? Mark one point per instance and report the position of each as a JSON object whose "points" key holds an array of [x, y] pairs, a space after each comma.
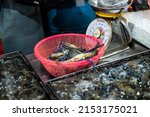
{"points": [[25, 22]]}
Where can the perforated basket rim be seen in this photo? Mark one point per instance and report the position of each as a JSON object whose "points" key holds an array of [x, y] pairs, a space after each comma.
{"points": [[45, 60]]}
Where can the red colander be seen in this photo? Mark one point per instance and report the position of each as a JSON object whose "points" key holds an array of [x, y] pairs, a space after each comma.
{"points": [[48, 45]]}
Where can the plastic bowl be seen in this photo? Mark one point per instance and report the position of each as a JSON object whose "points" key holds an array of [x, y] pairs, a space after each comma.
{"points": [[48, 45]]}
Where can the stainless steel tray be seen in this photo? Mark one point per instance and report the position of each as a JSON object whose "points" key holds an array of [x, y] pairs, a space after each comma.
{"points": [[112, 9], [18, 80], [127, 78]]}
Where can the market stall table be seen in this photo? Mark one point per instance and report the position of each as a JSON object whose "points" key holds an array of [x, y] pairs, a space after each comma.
{"points": [[139, 44]]}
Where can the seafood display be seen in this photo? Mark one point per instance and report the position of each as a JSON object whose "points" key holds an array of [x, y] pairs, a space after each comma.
{"points": [[124, 79], [18, 81], [70, 53]]}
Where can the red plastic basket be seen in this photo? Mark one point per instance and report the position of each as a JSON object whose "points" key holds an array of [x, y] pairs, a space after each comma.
{"points": [[48, 45]]}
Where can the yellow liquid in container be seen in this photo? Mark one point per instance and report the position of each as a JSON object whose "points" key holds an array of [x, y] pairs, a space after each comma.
{"points": [[108, 15]]}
